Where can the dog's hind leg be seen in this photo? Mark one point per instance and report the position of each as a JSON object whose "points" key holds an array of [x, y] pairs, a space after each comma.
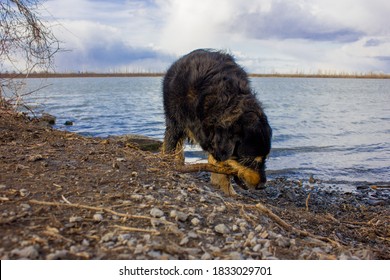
{"points": [[174, 142], [221, 181]]}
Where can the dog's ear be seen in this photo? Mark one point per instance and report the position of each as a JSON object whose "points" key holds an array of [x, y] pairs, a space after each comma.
{"points": [[249, 120], [235, 84], [222, 144], [256, 135]]}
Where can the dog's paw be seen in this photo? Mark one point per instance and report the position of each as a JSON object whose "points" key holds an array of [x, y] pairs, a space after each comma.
{"points": [[222, 182]]}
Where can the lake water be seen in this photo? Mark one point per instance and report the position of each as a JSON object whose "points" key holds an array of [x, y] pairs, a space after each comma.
{"points": [[337, 130]]}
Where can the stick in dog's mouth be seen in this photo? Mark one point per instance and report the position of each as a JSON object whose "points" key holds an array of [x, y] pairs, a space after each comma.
{"points": [[228, 167]]}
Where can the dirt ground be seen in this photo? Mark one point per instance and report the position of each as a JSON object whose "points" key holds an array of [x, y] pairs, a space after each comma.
{"points": [[65, 196]]}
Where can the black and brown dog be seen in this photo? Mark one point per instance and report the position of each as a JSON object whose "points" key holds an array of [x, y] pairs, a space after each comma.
{"points": [[208, 100]]}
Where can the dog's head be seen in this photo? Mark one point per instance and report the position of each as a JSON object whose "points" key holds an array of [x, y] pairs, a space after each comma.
{"points": [[245, 145]]}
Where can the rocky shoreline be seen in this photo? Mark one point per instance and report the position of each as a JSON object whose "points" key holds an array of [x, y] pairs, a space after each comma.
{"points": [[64, 196]]}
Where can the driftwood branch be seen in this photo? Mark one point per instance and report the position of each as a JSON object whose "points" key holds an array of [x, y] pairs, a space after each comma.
{"points": [[197, 167]]}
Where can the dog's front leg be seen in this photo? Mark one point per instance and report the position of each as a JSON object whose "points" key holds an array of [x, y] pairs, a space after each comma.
{"points": [[221, 181]]}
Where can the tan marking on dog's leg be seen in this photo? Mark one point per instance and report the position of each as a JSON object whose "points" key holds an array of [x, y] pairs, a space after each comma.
{"points": [[179, 152], [221, 181], [164, 149]]}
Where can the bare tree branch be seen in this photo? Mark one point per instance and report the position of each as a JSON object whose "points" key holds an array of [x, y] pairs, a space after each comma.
{"points": [[27, 44]]}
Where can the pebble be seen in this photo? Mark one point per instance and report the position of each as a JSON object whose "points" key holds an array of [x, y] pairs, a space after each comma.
{"points": [[178, 215], [127, 202], [136, 197], [25, 206], [75, 249], [149, 197], [283, 242], [253, 241], [263, 235], [259, 228], [57, 255], [221, 228], [345, 256], [75, 219], [108, 237], [147, 237], [210, 218], [34, 158], [235, 256], [243, 224], [156, 213], [265, 253], [257, 248], [195, 221], [154, 254], [214, 249], [23, 192], [124, 237], [206, 256], [98, 217], [192, 234], [138, 249], [184, 241], [30, 252], [155, 222]]}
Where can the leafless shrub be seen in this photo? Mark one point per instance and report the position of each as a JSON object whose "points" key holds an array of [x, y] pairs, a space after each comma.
{"points": [[27, 44]]}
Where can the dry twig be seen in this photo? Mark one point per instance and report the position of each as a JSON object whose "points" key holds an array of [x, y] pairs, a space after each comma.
{"points": [[263, 209], [307, 202], [33, 201], [133, 229]]}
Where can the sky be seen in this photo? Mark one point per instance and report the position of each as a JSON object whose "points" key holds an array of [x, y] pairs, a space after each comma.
{"points": [[265, 36]]}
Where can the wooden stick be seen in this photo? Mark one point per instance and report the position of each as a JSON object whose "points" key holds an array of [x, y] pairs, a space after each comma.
{"points": [[72, 205], [133, 229], [64, 199], [274, 217], [289, 227], [197, 167], [307, 202]]}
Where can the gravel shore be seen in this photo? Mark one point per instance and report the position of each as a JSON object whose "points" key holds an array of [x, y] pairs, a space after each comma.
{"points": [[64, 196]]}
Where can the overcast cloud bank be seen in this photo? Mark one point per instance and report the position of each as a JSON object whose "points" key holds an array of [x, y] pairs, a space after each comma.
{"points": [[265, 36]]}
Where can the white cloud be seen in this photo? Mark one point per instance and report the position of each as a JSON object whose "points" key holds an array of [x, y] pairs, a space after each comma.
{"points": [[265, 35], [195, 24]]}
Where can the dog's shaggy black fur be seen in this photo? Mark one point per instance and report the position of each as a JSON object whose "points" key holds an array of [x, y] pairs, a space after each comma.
{"points": [[208, 99]]}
